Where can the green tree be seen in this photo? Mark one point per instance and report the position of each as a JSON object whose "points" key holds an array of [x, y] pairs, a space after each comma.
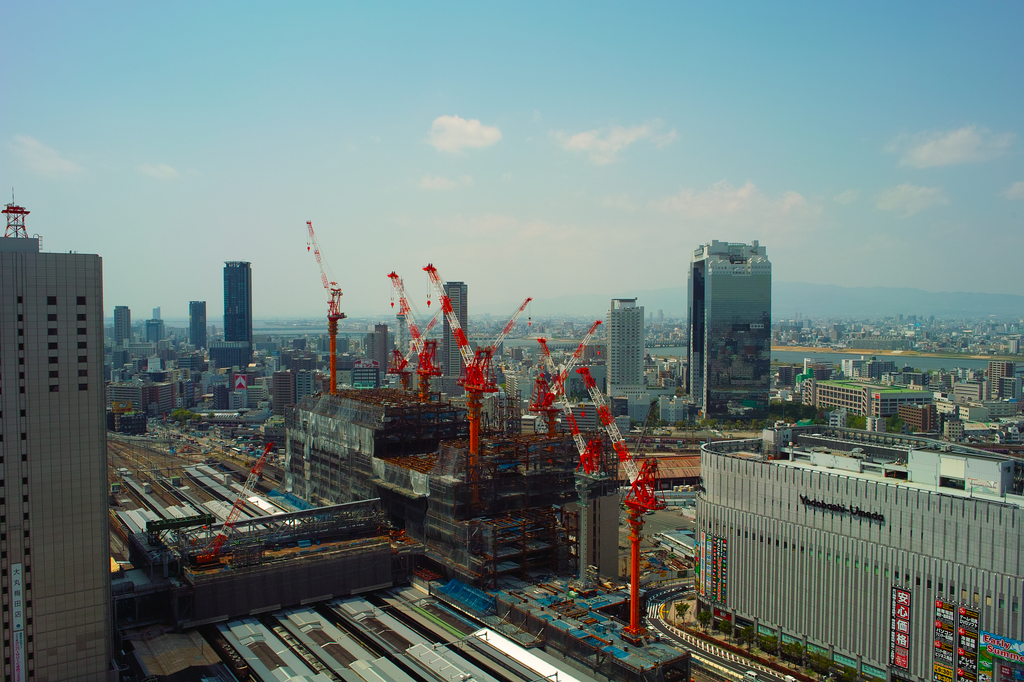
{"points": [[682, 608], [768, 644], [704, 618], [793, 651], [847, 674], [748, 635], [894, 424], [818, 663], [725, 627], [856, 421]]}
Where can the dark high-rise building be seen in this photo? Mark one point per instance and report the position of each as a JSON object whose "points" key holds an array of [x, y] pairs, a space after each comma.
{"points": [[377, 345], [238, 304], [451, 356], [53, 458], [197, 323], [729, 352], [122, 325], [155, 330], [284, 391]]}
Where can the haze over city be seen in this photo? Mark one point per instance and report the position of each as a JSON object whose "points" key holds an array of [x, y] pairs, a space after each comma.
{"points": [[541, 150]]}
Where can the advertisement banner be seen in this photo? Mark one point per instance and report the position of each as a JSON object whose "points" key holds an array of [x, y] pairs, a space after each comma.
{"points": [[241, 381], [899, 628], [944, 636], [17, 623], [967, 635], [1007, 653]]}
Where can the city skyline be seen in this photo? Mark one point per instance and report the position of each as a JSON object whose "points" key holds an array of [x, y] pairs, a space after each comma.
{"points": [[613, 147]]}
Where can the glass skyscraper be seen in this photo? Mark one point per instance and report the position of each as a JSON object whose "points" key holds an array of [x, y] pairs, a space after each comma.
{"points": [[238, 303], [197, 323], [730, 311]]}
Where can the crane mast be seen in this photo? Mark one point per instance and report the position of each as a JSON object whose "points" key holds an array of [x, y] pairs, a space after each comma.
{"points": [[641, 498], [479, 376], [333, 305], [425, 350]]}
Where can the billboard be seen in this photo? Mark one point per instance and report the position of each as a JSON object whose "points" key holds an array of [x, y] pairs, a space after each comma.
{"points": [[712, 571], [18, 623], [1007, 653], [899, 628], [967, 635], [944, 639], [241, 380]]}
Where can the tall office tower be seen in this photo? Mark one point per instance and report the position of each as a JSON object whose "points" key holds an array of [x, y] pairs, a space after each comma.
{"points": [[156, 313], [451, 357], [122, 325], [197, 323], [155, 330], [53, 462], [625, 348], [284, 391], [729, 351], [238, 304], [378, 346]]}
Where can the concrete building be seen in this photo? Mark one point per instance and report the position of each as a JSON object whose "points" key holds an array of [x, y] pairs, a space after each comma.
{"points": [[56, 615], [305, 384], [864, 399], [122, 325], [238, 306], [283, 391], [197, 323], [919, 417], [888, 554], [230, 353], [378, 345], [451, 358], [730, 309], [625, 359]]}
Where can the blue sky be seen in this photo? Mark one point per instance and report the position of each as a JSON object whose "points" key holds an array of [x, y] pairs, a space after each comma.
{"points": [[534, 149]]}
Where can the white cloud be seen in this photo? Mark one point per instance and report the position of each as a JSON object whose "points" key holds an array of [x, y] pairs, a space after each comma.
{"points": [[1016, 191], [161, 171], [909, 199], [723, 200], [847, 197], [453, 134], [603, 145], [42, 159], [438, 182], [969, 144]]}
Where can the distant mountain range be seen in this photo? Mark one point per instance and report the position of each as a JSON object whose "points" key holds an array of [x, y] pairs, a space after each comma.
{"points": [[810, 300]]}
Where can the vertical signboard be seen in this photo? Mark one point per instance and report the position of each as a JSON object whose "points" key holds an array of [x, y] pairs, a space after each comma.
{"points": [[944, 662], [699, 571], [17, 624], [967, 645], [722, 567], [712, 570], [899, 628]]}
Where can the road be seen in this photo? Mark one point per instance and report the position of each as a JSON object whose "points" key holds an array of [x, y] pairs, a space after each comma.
{"points": [[717, 661]]}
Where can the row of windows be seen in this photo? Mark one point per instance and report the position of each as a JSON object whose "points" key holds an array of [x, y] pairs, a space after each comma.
{"points": [[52, 300]]}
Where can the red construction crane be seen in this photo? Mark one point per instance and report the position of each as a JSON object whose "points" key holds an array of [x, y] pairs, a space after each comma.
{"points": [[210, 552], [426, 351], [641, 498], [479, 374], [333, 305]]}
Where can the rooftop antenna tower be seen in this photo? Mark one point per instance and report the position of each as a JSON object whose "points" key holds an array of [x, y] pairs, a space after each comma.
{"points": [[15, 219]]}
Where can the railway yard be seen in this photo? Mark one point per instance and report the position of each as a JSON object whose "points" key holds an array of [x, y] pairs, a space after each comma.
{"points": [[169, 496]]}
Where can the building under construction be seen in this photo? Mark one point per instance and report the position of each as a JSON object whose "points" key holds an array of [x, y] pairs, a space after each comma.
{"points": [[507, 511]]}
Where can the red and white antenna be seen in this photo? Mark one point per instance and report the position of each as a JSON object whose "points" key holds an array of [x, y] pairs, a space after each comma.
{"points": [[15, 219]]}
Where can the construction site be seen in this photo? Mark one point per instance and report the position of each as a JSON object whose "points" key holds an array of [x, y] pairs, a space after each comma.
{"points": [[509, 510], [383, 487]]}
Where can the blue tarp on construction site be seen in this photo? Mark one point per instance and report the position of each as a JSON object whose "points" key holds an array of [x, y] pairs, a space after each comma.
{"points": [[470, 597]]}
